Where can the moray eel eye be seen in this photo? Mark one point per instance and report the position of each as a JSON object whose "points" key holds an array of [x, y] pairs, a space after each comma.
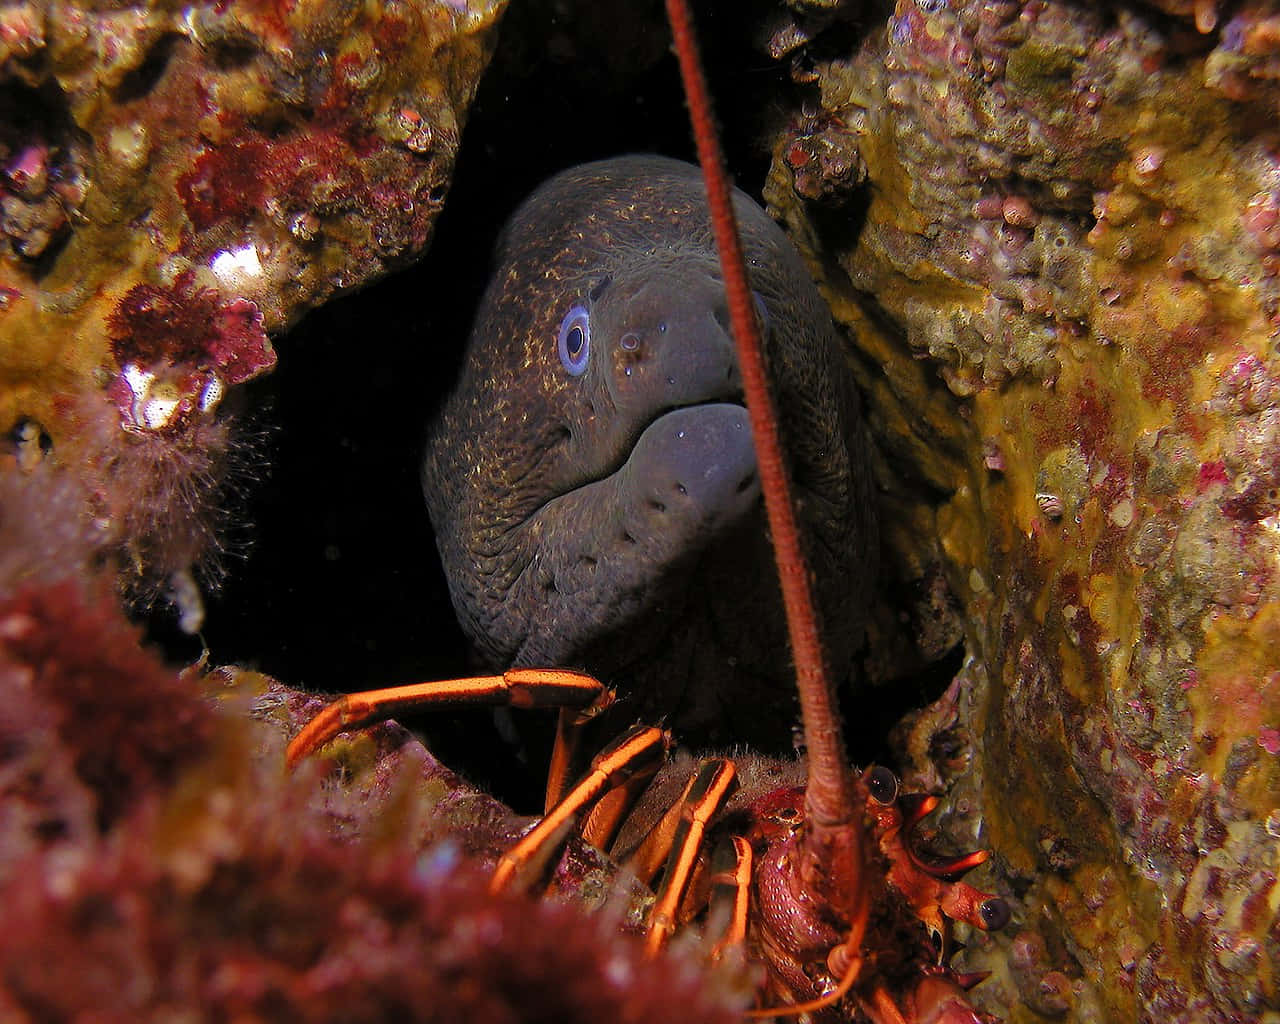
{"points": [[575, 340]]}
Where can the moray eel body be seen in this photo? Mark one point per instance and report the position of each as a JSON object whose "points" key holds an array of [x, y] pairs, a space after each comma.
{"points": [[591, 479]]}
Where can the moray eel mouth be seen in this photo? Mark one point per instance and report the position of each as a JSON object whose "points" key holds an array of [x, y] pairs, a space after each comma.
{"points": [[676, 439], [611, 547]]}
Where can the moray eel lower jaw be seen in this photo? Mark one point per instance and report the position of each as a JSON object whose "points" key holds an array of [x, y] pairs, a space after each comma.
{"points": [[690, 478], [691, 473]]}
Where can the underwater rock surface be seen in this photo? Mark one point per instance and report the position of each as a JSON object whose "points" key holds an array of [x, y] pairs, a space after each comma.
{"points": [[177, 181], [1054, 230], [157, 864]]}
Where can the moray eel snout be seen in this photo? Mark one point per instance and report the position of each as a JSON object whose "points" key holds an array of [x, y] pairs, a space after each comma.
{"points": [[667, 339], [592, 480], [691, 474]]}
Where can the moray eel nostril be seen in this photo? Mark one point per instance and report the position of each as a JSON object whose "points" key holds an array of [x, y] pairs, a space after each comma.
{"points": [[597, 437]]}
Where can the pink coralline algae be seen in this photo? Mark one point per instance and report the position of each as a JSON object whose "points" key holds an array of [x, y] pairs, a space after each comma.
{"points": [[179, 348], [178, 184], [126, 724], [1066, 253], [1269, 740], [42, 174]]}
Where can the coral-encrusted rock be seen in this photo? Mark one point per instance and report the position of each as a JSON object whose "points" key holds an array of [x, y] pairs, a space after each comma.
{"points": [[1068, 267], [157, 863], [178, 181]]}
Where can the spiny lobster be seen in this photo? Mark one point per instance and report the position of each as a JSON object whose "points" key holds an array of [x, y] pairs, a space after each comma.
{"points": [[824, 884]]}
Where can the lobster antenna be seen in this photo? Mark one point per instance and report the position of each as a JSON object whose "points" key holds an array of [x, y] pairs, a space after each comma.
{"points": [[829, 797]]}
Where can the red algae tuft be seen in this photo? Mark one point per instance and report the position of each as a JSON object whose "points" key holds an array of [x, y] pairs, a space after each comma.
{"points": [[288, 924], [188, 324], [179, 349], [154, 860], [129, 724]]}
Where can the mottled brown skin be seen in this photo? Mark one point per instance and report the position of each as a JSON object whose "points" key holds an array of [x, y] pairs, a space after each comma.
{"points": [[612, 521]]}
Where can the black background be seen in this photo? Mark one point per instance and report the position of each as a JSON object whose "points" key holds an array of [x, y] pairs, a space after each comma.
{"points": [[337, 586]]}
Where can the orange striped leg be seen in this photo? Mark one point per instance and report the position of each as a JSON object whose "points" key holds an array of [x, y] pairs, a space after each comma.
{"points": [[605, 818], [640, 750], [521, 688], [706, 793], [568, 733], [738, 881]]}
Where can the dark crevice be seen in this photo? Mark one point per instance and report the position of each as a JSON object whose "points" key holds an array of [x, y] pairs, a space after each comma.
{"points": [[139, 82], [870, 714], [343, 589]]}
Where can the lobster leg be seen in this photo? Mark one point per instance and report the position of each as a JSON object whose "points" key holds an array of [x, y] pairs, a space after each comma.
{"points": [[703, 798], [521, 688], [604, 819], [737, 881], [638, 752], [566, 745], [647, 858]]}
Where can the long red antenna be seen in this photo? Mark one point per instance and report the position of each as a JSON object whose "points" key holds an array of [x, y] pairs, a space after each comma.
{"points": [[829, 798]]}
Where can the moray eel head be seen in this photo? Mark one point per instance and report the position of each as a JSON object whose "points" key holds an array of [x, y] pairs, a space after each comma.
{"points": [[592, 480]]}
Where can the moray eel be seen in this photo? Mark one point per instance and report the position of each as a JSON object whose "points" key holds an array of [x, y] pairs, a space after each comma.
{"points": [[591, 478]]}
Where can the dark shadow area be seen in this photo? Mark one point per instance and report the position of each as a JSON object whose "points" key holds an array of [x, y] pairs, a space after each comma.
{"points": [[341, 588]]}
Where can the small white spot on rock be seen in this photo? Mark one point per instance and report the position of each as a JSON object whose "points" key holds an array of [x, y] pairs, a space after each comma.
{"points": [[158, 412], [231, 265], [138, 379], [1122, 513], [212, 394]]}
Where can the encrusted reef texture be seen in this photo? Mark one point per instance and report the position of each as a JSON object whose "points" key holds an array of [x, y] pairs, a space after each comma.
{"points": [[157, 864], [177, 182], [1055, 231]]}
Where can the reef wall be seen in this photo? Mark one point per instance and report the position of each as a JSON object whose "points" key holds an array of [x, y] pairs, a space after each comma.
{"points": [[177, 183], [156, 863], [1053, 230]]}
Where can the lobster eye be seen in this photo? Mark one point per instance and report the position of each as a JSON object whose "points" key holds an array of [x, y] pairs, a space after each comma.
{"points": [[883, 785], [995, 913], [574, 341]]}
